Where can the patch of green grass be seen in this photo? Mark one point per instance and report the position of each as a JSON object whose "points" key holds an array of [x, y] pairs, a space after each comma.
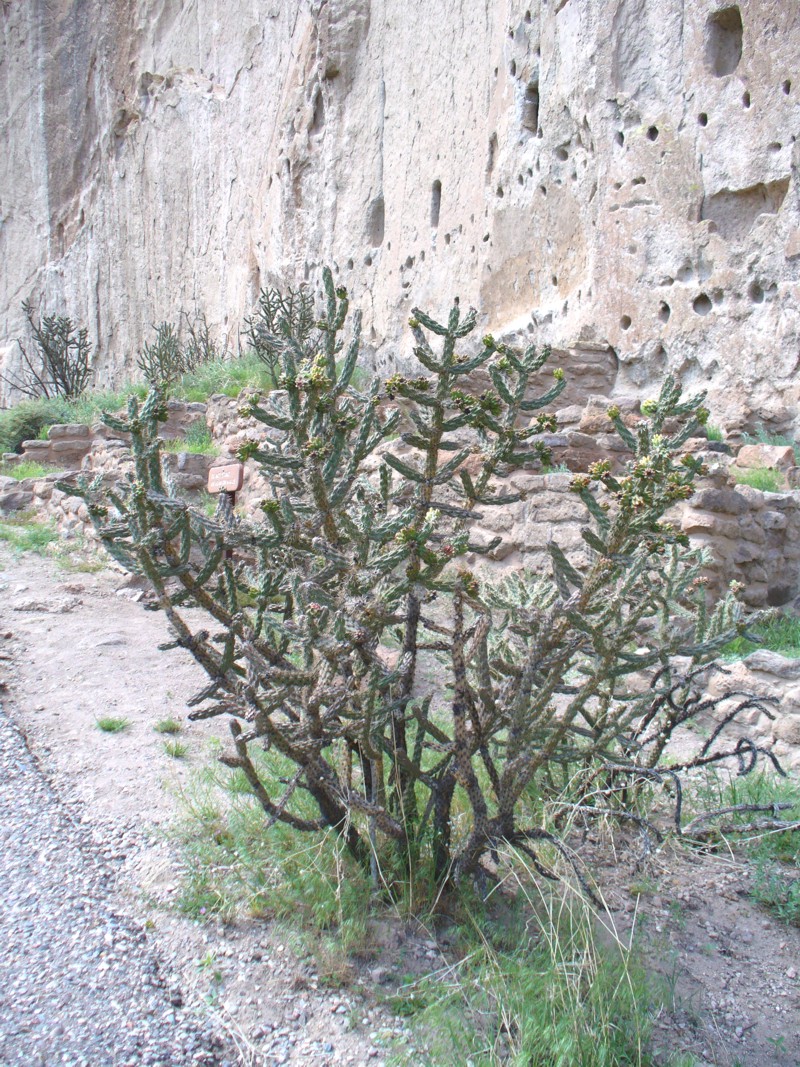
{"points": [[232, 865], [167, 726], [26, 468], [26, 534], [774, 854], [778, 634], [196, 440], [110, 724], [777, 888], [763, 478], [176, 749], [228, 376], [714, 433]]}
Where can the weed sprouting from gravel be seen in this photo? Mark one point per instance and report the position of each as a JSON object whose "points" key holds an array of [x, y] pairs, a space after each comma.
{"points": [[110, 724], [167, 726], [176, 749]]}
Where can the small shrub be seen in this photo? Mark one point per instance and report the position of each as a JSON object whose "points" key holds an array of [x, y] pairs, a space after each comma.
{"points": [[26, 421], [59, 365], [163, 359], [714, 433], [763, 478], [168, 359], [168, 726], [110, 724], [282, 318], [197, 440]]}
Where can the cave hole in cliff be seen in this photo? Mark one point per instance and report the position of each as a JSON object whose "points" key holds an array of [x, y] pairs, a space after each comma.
{"points": [[376, 222], [436, 202], [447, 238], [745, 100], [520, 180], [625, 322], [786, 87], [491, 156], [724, 41], [664, 311], [755, 292], [530, 107], [702, 304], [367, 261], [774, 146], [639, 181], [735, 211], [562, 154], [318, 116], [554, 280], [528, 17], [500, 192], [512, 68], [702, 119], [619, 137], [652, 133], [349, 264], [409, 263]]}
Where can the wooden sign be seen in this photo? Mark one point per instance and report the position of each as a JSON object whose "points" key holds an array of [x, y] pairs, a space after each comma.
{"points": [[227, 477]]}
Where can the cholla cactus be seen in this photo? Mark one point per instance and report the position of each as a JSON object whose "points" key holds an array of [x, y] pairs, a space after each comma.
{"points": [[346, 633]]}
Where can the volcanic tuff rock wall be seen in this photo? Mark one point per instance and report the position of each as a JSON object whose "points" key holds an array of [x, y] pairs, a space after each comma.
{"points": [[619, 177]]}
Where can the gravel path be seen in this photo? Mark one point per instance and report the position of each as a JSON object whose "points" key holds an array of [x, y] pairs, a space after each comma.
{"points": [[78, 983]]}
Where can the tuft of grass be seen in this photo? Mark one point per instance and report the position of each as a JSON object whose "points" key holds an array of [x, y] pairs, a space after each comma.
{"points": [[780, 634], [110, 724], [763, 437], [763, 478], [197, 440], [176, 749], [26, 468], [24, 534], [534, 985], [714, 433], [168, 726]]}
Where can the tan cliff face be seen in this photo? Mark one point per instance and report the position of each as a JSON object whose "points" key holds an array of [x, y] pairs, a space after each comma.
{"points": [[616, 177]]}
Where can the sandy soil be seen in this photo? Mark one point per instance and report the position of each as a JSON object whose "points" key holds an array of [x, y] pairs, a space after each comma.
{"points": [[77, 647]]}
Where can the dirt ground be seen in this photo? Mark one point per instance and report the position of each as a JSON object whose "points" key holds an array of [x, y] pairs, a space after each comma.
{"points": [[78, 647]]}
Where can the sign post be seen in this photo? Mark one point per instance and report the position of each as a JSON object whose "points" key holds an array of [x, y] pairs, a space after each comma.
{"points": [[226, 478]]}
